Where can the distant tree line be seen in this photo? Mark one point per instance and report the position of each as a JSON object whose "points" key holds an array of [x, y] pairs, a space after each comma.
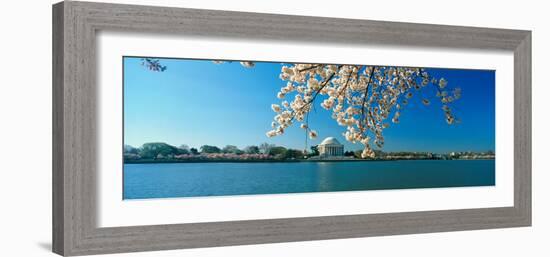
{"points": [[158, 150], [381, 155]]}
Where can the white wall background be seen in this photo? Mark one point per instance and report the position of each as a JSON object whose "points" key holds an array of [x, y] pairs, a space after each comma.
{"points": [[25, 127]]}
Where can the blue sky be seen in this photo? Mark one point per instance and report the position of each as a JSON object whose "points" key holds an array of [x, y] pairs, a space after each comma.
{"points": [[197, 102]]}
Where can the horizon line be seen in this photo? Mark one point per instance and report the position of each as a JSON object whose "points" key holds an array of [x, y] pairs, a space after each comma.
{"points": [[307, 148]]}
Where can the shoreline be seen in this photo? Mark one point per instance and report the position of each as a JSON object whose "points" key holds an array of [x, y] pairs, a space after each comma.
{"points": [[287, 161]]}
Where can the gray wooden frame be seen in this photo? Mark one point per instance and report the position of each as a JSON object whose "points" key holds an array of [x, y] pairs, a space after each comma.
{"points": [[75, 25]]}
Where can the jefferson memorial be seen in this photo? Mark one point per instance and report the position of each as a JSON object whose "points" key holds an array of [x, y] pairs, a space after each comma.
{"points": [[330, 147]]}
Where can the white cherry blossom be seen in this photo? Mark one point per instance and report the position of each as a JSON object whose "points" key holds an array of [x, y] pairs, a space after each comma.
{"points": [[360, 97]]}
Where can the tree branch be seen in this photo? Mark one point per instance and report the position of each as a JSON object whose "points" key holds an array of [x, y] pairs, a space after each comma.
{"points": [[323, 85], [347, 81], [309, 68], [373, 69]]}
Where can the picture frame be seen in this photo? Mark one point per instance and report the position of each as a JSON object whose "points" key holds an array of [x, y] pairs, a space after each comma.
{"points": [[75, 25]]}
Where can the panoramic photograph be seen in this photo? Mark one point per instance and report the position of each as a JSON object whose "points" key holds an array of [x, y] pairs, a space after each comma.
{"points": [[197, 128]]}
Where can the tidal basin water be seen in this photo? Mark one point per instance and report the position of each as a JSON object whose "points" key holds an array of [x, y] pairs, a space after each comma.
{"points": [[167, 180]]}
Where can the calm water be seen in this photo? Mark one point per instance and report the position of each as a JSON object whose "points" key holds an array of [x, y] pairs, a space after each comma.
{"points": [[143, 181]]}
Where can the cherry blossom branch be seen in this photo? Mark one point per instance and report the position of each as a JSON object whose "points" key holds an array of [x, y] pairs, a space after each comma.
{"points": [[373, 69]]}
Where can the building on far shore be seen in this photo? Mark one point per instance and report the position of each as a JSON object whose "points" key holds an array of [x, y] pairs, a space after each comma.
{"points": [[330, 147]]}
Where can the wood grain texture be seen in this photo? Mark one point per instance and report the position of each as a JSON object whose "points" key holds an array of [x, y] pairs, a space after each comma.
{"points": [[75, 25], [58, 229]]}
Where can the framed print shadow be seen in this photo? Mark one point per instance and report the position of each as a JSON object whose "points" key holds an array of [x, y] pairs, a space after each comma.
{"points": [[162, 116]]}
